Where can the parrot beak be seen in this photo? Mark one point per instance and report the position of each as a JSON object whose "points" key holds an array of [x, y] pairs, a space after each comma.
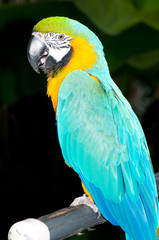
{"points": [[43, 57], [34, 52]]}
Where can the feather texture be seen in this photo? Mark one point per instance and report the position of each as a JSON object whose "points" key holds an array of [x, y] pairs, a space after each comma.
{"points": [[101, 138]]}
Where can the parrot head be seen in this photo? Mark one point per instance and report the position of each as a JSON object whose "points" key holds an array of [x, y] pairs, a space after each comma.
{"points": [[49, 51], [56, 40], [60, 45]]}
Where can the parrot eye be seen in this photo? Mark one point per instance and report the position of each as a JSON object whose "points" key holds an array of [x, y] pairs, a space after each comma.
{"points": [[61, 36]]}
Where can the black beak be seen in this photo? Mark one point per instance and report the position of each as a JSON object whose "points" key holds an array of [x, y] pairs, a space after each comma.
{"points": [[34, 52], [40, 59]]}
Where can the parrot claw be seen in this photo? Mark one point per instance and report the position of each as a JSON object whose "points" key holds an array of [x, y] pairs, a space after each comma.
{"points": [[80, 234], [85, 200], [91, 229]]}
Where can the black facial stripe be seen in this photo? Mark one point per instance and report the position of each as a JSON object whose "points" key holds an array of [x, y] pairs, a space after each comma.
{"points": [[66, 58], [62, 43], [58, 45], [52, 66], [67, 38], [64, 47], [53, 41]]}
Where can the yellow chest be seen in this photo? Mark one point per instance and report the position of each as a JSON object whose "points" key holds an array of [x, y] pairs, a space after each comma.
{"points": [[83, 58]]}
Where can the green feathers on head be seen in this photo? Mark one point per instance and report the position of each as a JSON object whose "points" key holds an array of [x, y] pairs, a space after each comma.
{"points": [[52, 24], [68, 26], [75, 29]]}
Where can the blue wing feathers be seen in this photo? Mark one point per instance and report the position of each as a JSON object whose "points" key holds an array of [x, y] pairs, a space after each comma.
{"points": [[101, 138], [131, 184], [134, 151], [124, 213], [65, 152], [149, 198], [138, 173], [149, 215]]}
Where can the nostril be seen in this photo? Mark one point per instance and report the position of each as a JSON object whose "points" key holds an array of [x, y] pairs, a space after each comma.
{"points": [[43, 57], [46, 52], [42, 61]]}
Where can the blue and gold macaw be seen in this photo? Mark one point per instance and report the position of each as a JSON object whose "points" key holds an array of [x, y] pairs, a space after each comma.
{"points": [[99, 134]]}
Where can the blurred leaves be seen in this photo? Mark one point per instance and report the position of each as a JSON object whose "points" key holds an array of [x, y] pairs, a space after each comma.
{"points": [[114, 16], [110, 16], [144, 60], [147, 5]]}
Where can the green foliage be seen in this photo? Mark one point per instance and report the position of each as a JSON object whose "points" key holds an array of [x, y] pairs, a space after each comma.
{"points": [[128, 29], [110, 16], [144, 60], [114, 16], [147, 5]]}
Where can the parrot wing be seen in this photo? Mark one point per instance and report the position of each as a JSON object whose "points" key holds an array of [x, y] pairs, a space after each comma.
{"points": [[102, 139]]}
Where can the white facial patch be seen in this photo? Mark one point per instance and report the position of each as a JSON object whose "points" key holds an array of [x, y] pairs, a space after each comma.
{"points": [[57, 43], [58, 54]]}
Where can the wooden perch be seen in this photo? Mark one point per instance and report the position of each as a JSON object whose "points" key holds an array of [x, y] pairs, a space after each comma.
{"points": [[58, 225], [70, 221]]}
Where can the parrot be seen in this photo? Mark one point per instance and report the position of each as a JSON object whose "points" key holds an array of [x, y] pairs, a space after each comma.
{"points": [[100, 136]]}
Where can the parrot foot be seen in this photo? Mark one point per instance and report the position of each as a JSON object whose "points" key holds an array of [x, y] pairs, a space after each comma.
{"points": [[80, 234], [91, 229], [86, 200]]}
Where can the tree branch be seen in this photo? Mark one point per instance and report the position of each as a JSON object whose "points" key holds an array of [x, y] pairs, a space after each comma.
{"points": [[70, 221], [60, 224]]}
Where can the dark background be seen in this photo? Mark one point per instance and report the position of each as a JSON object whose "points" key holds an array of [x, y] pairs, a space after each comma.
{"points": [[33, 177]]}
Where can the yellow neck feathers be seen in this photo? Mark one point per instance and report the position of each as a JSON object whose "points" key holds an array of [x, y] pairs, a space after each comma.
{"points": [[83, 57]]}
